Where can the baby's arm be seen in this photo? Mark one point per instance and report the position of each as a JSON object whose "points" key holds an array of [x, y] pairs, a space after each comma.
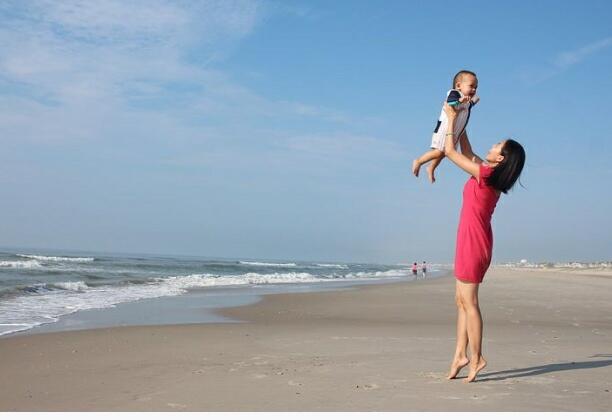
{"points": [[454, 98]]}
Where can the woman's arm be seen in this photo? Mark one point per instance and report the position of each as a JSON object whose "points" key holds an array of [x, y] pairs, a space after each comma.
{"points": [[459, 159], [466, 149]]}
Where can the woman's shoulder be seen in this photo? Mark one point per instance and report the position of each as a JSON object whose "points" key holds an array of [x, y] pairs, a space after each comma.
{"points": [[485, 172], [485, 169]]}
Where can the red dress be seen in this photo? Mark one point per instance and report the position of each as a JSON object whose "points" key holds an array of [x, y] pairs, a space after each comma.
{"points": [[474, 235]]}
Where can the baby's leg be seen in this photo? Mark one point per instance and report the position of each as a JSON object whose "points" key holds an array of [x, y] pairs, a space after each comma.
{"points": [[432, 167], [426, 157]]}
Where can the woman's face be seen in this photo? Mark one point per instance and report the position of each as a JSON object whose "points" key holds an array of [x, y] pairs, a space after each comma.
{"points": [[495, 153]]}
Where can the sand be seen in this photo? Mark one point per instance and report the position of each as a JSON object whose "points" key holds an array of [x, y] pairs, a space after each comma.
{"points": [[547, 337]]}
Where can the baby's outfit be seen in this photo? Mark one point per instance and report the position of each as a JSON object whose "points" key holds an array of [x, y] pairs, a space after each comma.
{"points": [[463, 116]]}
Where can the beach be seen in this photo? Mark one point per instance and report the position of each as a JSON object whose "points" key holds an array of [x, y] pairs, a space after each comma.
{"points": [[547, 339]]}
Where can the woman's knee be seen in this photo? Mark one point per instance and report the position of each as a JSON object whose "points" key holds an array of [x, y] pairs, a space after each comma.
{"points": [[459, 302], [470, 302]]}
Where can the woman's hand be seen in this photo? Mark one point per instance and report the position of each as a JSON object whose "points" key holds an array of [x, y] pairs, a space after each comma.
{"points": [[450, 111]]}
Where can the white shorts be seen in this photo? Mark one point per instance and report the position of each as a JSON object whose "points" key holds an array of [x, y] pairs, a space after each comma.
{"points": [[438, 139]]}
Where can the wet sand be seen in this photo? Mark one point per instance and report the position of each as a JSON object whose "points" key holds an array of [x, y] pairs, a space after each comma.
{"points": [[547, 337]]}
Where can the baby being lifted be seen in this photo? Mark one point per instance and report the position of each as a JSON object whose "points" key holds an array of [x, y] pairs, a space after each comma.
{"points": [[463, 97]]}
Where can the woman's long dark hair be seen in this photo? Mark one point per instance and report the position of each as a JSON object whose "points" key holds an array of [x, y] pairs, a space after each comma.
{"points": [[506, 173]]}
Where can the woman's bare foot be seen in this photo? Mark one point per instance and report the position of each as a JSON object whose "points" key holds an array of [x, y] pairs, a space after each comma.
{"points": [[456, 366], [474, 369], [415, 167], [430, 174]]}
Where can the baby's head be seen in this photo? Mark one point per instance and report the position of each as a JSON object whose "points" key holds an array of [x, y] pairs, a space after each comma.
{"points": [[466, 82]]}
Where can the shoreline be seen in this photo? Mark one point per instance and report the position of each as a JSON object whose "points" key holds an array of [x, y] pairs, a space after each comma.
{"points": [[370, 348], [196, 306]]}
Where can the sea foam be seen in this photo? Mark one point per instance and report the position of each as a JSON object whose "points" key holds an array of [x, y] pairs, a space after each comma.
{"points": [[59, 259], [20, 264], [266, 264], [46, 303]]}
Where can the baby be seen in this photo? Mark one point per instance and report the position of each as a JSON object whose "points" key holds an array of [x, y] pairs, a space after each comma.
{"points": [[462, 97]]}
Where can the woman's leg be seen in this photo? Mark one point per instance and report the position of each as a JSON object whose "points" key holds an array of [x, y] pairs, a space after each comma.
{"points": [[469, 298], [460, 359]]}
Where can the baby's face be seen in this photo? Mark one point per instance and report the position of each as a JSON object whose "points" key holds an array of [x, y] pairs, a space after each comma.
{"points": [[467, 85]]}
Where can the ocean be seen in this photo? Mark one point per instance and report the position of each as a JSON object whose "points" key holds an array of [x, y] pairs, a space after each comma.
{"points": [[38, 288]]}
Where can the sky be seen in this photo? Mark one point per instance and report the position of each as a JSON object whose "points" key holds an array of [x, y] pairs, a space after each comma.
{"points": [[286, 129]]}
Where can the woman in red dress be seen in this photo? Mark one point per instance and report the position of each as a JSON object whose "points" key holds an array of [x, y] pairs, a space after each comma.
{"points": [[491, 177]]}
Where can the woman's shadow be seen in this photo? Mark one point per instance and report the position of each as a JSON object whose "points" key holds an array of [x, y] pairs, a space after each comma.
{"points": [[542, 369]]}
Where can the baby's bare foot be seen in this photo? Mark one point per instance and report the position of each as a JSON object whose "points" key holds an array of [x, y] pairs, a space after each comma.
{"points": [[474, 369], [456, 366], [415, 167], [430, 174]]}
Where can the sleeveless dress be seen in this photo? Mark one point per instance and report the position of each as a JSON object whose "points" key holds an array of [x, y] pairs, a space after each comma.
{"points": [[474, 235]]}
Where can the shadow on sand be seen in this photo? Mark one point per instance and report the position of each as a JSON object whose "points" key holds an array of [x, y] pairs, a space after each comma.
{"points": [[542, 369]]}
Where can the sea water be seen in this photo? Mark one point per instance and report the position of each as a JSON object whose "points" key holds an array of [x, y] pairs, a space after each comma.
{"points": [[39, 288]]}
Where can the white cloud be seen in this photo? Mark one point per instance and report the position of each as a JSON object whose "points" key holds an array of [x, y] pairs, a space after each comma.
{"points": [[87, 65], [136, 22], [565, 60], [570, 58], [49, 42], [342, 146]]}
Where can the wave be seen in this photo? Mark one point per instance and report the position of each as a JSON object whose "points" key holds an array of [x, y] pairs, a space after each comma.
{"points": [[26, 307], [75, 286], [52, 258], [20, 264], [343, 266], [572, 265], [265, 264], [207, 280], [388, 273]]}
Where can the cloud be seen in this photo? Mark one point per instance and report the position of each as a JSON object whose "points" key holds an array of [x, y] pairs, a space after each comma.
{"points": [[50, 44], [134, 23], [343, 146], [570, 58], [79, 68], [565, 60]]}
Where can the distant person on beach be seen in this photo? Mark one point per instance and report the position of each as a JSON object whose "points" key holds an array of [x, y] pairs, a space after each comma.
{"points": [[424, 269], [462, 97], [415, 268], [489, 178]]}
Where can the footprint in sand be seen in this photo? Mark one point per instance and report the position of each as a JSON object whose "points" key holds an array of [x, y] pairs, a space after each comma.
{"points": [[293, 383], [538, 381], [432, 375], [175, 405]]}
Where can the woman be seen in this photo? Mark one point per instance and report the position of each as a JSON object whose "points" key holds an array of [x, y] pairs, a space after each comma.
{"points": [[491, 177]]}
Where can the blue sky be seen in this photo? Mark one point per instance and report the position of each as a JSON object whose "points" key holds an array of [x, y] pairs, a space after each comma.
{"points": [[286, 129]]}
